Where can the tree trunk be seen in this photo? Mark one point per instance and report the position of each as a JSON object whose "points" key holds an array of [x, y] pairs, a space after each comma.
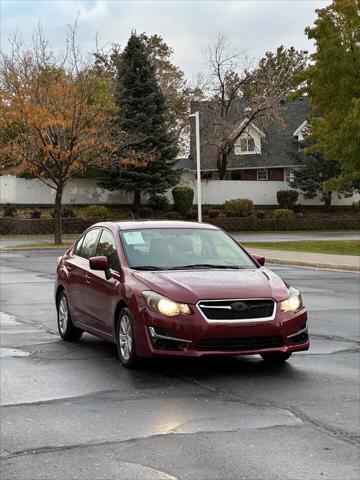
{"points": [[58, 204], [327, 199], [222, 164], [137, 200]]}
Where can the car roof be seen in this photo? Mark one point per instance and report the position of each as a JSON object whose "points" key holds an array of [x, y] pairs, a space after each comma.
{"points": [[141, 224]]}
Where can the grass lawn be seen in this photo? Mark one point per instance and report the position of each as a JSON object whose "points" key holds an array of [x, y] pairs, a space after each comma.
{"points": [[337, 247]]}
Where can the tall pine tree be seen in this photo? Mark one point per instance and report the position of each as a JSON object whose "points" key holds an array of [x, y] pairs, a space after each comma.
{"points": [[312, 172], [146, 164]]}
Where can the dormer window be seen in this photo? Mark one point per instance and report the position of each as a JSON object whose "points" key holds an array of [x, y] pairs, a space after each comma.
{"points": [[247, 143]]}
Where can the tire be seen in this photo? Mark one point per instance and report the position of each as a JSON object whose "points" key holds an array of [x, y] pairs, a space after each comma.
{"points": [[125, 339], [66, 328], [276, 358]]}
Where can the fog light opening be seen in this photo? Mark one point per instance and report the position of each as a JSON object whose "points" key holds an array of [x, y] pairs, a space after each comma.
{"points": [[162, 339]]}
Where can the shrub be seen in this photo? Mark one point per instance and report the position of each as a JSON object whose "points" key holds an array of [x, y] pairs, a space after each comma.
{"points": [[260, 214], [68, 213], [283, 214], [241, 207], [36, 213], [159, 202], [97, 211], [355, 207], [144, 212], [183, 199], [213, 213], [174, 216], [192, 215], [9, 210], [287, 198]]}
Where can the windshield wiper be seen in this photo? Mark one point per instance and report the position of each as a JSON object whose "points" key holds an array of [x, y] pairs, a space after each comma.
{"points": [[186, 267], [147, 267], [204, 265]]}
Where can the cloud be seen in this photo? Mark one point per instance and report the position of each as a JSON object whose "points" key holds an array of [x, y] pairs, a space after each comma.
{"points": [[188, 26]]}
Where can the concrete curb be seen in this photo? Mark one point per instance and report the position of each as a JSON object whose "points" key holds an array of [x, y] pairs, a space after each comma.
{"points": [[24, 249]]}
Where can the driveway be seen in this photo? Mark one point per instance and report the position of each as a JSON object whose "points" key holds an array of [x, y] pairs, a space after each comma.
{"points": [[71, 411]]}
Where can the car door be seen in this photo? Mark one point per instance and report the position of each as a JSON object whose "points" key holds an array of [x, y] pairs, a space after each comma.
{"points": [[79, 272], [74, 278], [102, 294]]}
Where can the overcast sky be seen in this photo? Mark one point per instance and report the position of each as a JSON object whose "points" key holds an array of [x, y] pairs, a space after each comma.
{"points": [[188, 26]]}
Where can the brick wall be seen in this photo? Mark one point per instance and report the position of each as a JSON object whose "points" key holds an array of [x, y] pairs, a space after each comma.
{"points": [[232, 224], [20, 226]]}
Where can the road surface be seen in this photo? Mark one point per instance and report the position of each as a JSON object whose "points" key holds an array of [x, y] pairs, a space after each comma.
{"points": [[71, 411]]}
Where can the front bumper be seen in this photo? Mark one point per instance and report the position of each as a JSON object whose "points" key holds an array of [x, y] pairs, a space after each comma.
{"points": [[193, 336]]}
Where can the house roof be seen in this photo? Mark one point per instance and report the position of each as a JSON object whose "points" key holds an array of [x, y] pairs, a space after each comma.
{"points": [[277, 145], [183, 163]]}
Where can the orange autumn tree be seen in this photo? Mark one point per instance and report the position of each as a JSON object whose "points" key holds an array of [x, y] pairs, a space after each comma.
{"points": [[54, 114]]}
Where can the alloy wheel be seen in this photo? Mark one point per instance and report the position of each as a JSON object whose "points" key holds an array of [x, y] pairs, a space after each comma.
{"points": [[125, 337], [63, 314]]}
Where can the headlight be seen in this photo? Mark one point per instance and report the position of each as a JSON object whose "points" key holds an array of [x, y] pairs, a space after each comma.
{"points": [[163, 305], [293, 303]]}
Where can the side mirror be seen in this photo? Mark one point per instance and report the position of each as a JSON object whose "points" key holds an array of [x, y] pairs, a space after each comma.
{"points": [[101, 264], [259, 259]]}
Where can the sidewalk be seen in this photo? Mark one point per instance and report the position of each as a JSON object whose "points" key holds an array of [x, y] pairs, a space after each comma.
{"points": [[306, 259]]}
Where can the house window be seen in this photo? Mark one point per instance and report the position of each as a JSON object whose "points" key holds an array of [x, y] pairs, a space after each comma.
{"points": [[262, 174], [245, 144]]}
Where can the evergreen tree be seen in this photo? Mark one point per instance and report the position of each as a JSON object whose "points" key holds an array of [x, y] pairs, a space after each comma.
{"points": [[145, 165], [313, 171]]}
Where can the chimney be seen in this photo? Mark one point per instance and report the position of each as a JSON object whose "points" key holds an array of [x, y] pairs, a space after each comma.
{"points": [[247, 111]]}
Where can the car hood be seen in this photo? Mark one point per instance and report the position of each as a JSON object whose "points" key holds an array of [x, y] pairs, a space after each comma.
{"points": [[190, 286]]}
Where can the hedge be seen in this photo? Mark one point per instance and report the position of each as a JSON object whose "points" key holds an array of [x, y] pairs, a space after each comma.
{"points": [[22, 226]]}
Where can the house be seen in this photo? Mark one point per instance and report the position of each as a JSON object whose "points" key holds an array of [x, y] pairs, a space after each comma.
{"points": [[263, 152]]}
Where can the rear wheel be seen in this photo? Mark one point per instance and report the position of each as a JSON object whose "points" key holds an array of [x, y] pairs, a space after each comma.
{"points": [[278, 357], [66, 328], [125, 339]]}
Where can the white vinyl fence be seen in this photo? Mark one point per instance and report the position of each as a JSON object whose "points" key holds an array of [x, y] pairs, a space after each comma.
{"points": [[87, 192]]}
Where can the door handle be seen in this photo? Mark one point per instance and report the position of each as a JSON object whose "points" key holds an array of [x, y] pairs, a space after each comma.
{"points": [[88, 277]]}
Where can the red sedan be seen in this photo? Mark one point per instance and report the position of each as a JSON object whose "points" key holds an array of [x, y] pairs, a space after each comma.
{"points": [[176, 288]]}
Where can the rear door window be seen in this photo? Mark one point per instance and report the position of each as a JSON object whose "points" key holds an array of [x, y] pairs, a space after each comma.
{"points": [[87, 248]]}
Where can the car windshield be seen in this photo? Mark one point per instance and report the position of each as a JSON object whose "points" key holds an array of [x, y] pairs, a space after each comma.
{"points": [[182, 248]]}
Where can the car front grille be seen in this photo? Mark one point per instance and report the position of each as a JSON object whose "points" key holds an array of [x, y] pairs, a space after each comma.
{"points": [[232, 310], [239, 344]]}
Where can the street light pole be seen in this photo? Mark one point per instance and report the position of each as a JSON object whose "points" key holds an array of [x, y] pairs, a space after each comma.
{"points": [[198, 169]]}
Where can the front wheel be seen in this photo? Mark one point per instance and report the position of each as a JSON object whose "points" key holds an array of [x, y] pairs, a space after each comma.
{"points": [[66, 328], [276, 357], [125, 339]]}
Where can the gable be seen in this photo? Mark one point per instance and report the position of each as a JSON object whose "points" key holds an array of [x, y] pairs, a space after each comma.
{"points": [[249, 141], [301, 131]]}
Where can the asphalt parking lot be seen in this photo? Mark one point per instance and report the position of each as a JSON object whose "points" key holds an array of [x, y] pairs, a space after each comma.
{"points": [[70, 411]]}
